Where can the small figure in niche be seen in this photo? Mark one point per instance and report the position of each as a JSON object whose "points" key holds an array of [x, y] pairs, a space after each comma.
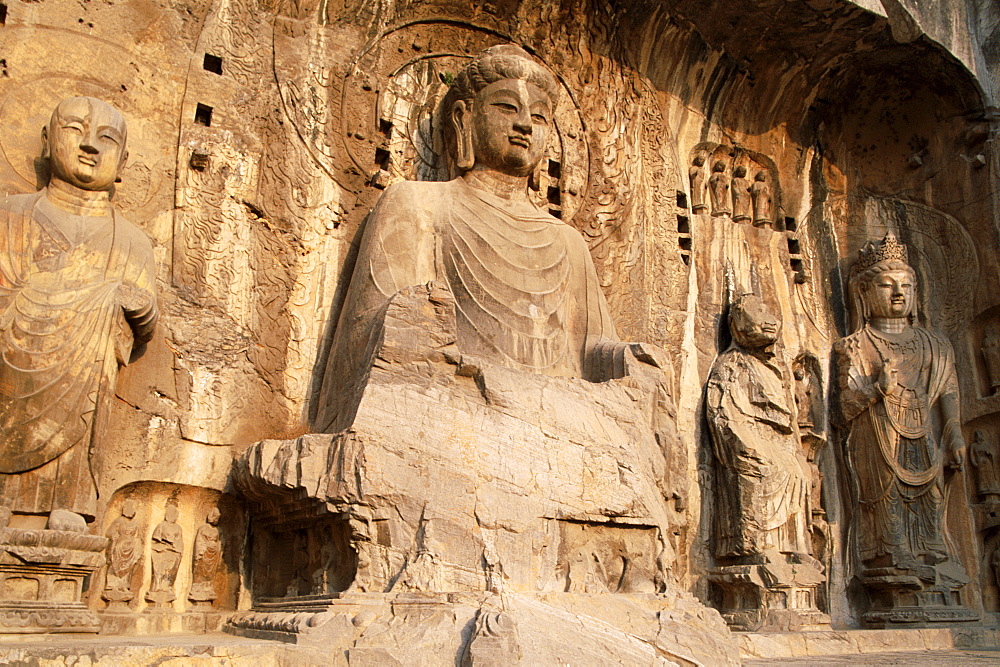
{"points": [[741, 195], [205, 560], [983, 456], [168, 543], [718, 185], [991, 353], [124, 554], [760, 192], [696, 175]]}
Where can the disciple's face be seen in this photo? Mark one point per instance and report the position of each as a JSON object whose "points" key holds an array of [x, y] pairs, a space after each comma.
{"points": [[86, 141], [755, 326], [510, 126], [890, 293]]}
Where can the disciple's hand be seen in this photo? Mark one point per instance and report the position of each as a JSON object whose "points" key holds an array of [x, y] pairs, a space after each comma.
{"points": [[887, 380]]}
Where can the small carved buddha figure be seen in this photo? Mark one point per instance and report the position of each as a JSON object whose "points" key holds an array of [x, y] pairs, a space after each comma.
{"points": [[991, 353], [205, 560], [893, 376], [77, 295], [124, 554], [741, 195], [525, 289], [698, 178], [985, 458], [763, 476], [718, 185], [168, 544], [760, 193]]}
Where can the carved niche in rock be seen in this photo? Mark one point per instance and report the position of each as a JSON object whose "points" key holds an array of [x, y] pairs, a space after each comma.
{"points": [[767, 576], [698, 180], [124, 555], [77, 295], [893, 376], [167, 547]]}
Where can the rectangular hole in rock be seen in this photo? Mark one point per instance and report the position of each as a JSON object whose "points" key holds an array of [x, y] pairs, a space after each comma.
{"points": [[686, 258], [555, 212], [555, 168], [3, 14], [684, 243], [212, 63], [683, 225], [790, 225], [382, 158], [203, 115], [385, 126], [796, 265], [682, 200], [553, 194], [793, 247]]}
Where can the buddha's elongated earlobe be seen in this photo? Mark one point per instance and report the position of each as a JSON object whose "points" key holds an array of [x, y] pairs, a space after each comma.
{"points": [[535, 180], [45, 142], [461, 118]]}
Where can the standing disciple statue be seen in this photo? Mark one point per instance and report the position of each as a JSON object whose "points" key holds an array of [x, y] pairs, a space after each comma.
{"points": [[77, 295], [206, 560], [899, 399], [525, 289], [985, 458], [760, 193], [761, 513], [741, 195], [696, 175], [124, 554], [991, 353], [718, 185], [168, 544]]}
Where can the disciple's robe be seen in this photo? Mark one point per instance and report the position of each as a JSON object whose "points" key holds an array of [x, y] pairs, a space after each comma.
{"points": [[63, 336]]}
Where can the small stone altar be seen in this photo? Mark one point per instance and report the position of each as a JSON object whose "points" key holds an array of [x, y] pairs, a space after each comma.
{"points": [[477, 332]]}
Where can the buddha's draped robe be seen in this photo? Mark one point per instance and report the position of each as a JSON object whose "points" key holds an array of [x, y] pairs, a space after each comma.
{"points": [[894, 446], [764, 477], [63, 335], [525, 287]]}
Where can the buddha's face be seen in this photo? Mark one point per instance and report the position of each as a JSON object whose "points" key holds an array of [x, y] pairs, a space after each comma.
{"points": [[890, 293], [86, 143], [510, 126], [754, 325]]}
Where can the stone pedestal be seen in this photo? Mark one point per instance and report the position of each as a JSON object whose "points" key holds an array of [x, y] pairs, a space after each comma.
{"points": [[916, 597], [769, 597], [42, 573]]}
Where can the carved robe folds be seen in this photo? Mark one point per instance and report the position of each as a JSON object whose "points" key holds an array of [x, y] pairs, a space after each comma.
{"points": [[526, 292], [764, 477], [63, 335]]}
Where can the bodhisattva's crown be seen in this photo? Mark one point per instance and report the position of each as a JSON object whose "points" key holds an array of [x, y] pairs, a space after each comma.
{"points": [[874, 252]]}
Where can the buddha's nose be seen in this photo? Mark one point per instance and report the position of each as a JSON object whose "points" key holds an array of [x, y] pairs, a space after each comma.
{"points": [[87, 147]]}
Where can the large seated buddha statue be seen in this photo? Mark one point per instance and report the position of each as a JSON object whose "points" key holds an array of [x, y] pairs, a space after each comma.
{"points": [[481, 429]]}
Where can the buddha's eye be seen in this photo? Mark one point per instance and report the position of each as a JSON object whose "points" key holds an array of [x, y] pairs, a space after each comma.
{"points": [[76, 127], [504, 107], [539, 118]]}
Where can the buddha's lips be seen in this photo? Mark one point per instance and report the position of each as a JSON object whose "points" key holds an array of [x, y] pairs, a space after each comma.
{"points": [[519, 141]]}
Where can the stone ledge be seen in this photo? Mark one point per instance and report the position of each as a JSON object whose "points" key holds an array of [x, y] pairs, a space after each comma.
{"points": [[765, 645]]}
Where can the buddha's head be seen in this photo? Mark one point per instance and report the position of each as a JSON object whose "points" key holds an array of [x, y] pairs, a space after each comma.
{"points": [[884, 282], [753, 325], [85, 143], [128, 509], [501, 108], [170, 515]]}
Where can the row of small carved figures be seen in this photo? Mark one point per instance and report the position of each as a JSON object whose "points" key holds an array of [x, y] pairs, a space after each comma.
{"points": [[167, 544], [735, 197]]}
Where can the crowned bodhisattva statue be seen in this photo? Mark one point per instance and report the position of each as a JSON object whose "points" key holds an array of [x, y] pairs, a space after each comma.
{"points": [[899, 400], [77, 295]]}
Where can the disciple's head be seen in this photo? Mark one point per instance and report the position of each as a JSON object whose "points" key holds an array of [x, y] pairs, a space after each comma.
{"points": [[128, 509], [884, 282], [753, 325], [501, 111], [213, 516], [740, 171], [85, 143]]}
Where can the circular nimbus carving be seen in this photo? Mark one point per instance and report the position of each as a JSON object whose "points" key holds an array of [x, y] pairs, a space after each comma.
{"points": [[390, 116]]}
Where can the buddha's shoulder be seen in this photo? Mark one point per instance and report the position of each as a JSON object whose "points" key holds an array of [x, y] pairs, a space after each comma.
{"points": [[18, 203], [410, 193], [131, 232]]}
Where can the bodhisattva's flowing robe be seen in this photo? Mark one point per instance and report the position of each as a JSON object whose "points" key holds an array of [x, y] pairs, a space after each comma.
{"points": [[524, 283], [894, 446], [63, 336], [764, 478]]}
